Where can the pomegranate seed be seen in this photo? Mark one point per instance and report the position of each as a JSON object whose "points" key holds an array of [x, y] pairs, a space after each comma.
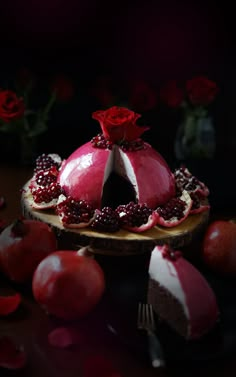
{"points": [[46, 177], [106, 220], [47, 194], [45, 161], [133, 214]]}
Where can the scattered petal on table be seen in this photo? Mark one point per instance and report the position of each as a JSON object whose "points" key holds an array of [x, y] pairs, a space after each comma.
{"points": [[63, 337], [8, 304], [99, 366], [11, 356]]}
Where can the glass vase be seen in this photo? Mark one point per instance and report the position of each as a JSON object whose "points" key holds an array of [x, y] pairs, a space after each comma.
{"points": [[195, 139], [28, 150]]}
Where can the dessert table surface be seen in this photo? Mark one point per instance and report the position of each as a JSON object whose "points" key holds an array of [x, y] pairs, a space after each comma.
{"points": [[108, 331]]}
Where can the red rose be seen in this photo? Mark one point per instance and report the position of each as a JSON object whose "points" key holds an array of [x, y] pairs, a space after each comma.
{"points": [[24, 78], [171, 94], [201, 90], [11, 107], [142, 96], [103, 91], [63, 88], [119, 123]]}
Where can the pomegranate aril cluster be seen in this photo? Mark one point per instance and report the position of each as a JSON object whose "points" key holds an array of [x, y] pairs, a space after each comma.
{"points": [[106, 220], [174, 208], [44, 162], [74, 212], [99, 141], [46, 177], [48, 193], [185, 180], [196, 200], [134, 145], [133, 214]]}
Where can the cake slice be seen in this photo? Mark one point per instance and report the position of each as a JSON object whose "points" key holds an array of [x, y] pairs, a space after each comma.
{"points": [[180, 295]]}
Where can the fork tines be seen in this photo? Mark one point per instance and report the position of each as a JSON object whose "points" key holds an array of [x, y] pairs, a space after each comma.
{"points": [[146, 317]]}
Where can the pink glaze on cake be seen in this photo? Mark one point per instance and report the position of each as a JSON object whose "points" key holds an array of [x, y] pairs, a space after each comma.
{"points": [[149, 174], [183, 282], [85, 172]]}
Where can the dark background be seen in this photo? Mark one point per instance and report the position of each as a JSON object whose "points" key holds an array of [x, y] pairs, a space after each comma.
{"points": [[150, 40]]}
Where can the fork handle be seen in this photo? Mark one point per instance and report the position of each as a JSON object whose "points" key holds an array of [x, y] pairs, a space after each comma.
{"points": [[155, 350]]}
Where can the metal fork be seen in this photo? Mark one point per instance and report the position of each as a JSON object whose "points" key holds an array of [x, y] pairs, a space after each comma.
{"points": [[146, 322]]}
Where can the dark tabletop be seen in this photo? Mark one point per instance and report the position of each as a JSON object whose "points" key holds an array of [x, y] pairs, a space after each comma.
{"points": [[124, 347]]}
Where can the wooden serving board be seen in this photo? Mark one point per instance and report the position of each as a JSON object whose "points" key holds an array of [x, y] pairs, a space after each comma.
{"points": [[119, 243]]}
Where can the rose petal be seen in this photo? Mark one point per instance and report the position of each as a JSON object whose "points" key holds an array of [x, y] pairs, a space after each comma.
{"points": [[63, 337], [8, 304], [2, 202], [11, 357], [99, 366]]}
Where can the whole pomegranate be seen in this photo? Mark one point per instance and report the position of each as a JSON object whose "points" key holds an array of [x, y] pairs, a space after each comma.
{"points": [[23, 244], [68, 285], [219, 247]]}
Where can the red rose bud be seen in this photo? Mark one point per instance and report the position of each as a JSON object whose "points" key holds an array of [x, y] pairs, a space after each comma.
{"points": [[9, 304], [11, 356], [103, 91], [119, 124], [63, 88], [201, 90], [24, 78], [142, 97], [2, 202], [11, 107], [171, 94]]}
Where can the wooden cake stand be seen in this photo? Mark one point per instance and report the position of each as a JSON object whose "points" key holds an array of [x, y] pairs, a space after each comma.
{"points": [[119, 243]]}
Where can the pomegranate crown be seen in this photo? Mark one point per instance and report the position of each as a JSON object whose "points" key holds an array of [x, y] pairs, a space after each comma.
{"points": [[119, 124]]}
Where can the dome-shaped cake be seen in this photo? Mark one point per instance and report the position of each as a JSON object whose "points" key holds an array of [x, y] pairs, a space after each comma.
{"points": [[76, 188], [84, 174]]}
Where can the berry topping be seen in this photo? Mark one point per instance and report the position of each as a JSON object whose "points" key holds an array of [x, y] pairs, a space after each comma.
{"points": [[134, 145], [99, 141]]}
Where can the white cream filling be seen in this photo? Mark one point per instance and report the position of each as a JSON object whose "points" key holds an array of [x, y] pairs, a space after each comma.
{"points": [[163, 271], [123, 167]]}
